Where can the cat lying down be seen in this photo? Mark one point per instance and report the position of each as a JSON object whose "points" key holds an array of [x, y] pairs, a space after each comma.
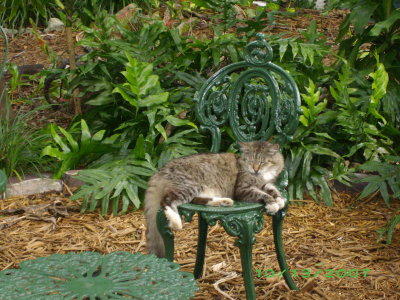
{"points": [[213, 179]]}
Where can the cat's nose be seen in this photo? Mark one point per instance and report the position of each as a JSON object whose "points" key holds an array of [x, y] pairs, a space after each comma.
{"points": [[256, 168]]}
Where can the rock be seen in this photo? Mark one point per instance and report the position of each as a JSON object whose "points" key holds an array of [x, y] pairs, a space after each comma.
{"points": [[55, 24], [321, 4], [34, 186], [70, 180], [10, 31], [125, 14]]}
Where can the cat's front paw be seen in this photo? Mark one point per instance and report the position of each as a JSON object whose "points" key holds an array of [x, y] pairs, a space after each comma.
{"points": [[281, 202], [272, 208]]}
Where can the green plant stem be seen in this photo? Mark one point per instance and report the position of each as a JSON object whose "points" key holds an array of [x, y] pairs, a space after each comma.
{"points": [[387, 8]]}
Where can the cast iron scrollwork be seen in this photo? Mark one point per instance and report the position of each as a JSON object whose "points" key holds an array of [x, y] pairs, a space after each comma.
{"points": [[258, 52], [187, 214], [257, 98], [242, 225], [252, 105]]}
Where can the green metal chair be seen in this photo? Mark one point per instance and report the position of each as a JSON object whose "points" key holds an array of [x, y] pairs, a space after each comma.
{"points": [[258, 101]]}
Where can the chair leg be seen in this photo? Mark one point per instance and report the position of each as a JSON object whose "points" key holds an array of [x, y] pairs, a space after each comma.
{"points": [[277, 222], [243, 226], [166, 234], [246, 257], [201, 247]]}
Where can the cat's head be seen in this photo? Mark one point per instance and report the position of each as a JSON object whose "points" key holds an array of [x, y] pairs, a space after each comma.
{"points": [[261, 158]]}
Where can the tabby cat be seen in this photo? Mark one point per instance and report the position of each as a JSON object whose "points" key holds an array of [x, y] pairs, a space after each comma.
{"points": [[213, 179]]}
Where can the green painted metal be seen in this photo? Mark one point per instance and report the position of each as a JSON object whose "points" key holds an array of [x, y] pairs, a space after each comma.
{"points": [[92, 276], [3, 182], [255, 98], [258, 100], [201, 248], [167, 235]]}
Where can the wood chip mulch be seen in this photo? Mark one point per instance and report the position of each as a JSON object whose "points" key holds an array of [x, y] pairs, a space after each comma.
{"points": [[316, 238]]}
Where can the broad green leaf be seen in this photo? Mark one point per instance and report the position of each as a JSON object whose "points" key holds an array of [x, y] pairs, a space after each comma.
{"points": [[58, 139], [92, 204], [324, 134], [369, 189], [319, 179], [115, 205], [179, 122], [384, 193], [151, 82], [161, 130], [379, 87], [126, 97], [53, 152], [317, 149], [203, 60], [305, 172], [121, 185], [101, 99], [85, 135], [295, 48], [296, 158], [72, 142], [311, 190], [233, 53], [104, 204], [177, 38], [59, 4], [282, 49], [154, 99], [131, 190], [386, 24], [216, 55], [391, 227], [145, 73], [139, 150], [98, 136], [361, 14]]}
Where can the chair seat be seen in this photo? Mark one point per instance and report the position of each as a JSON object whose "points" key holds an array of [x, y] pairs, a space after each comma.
{"points": [[237, 208]]}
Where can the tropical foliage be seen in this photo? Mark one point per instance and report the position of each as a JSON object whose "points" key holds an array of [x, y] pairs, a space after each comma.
{"points": [[138, 79]]}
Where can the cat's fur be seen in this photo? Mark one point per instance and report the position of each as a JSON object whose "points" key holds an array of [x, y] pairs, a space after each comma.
{"points": [[213, 179]]}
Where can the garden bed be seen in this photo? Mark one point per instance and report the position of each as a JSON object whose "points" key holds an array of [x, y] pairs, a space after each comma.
{"points": [[315, 237]]}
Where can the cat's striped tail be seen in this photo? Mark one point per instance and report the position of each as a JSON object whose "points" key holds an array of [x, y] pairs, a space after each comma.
{"points": [[152, 200]]}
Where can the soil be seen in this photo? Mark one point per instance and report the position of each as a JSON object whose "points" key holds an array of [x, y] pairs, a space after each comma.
{"points": [[316, 237]]}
